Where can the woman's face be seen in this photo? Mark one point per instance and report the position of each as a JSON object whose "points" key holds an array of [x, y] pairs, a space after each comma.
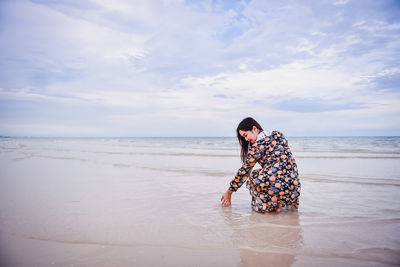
{"points": [[250, 136]]}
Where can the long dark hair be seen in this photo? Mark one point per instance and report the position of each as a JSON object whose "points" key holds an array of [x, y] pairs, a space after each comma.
{"points": [[246, 125]]}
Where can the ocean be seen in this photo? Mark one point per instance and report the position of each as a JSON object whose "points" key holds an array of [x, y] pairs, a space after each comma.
{"points": [[156, 202]]}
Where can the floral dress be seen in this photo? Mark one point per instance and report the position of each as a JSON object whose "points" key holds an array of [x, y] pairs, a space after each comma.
{"points": [[277, 182]]}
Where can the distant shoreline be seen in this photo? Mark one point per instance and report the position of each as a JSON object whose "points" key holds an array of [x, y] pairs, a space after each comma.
{"points": [[171, 137]]}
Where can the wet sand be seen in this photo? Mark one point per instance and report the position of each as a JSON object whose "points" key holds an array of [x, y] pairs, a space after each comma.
{"points": [[80, 204]]}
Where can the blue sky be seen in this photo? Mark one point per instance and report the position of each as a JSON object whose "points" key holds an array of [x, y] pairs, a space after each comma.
{"points": [[196, 68]]}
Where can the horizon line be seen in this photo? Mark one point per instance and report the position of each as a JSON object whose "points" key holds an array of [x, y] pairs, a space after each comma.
{"points": [[8, 136]]}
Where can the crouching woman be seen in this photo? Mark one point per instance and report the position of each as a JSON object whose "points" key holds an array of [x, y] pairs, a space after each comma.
{"points": [[276, 184]]}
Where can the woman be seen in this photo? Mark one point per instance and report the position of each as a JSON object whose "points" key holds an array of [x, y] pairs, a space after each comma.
{"points": [[276, 184]]}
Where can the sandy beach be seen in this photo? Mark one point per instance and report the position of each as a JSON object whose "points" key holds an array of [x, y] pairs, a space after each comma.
{"points": [[155, 202]]}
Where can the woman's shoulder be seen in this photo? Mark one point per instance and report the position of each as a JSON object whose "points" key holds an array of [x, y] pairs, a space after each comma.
{"points": [[278, 138], [265, 138], [276, 134]]}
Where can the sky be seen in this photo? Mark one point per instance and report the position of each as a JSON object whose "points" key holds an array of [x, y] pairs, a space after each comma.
{"points": [[121, 68]]}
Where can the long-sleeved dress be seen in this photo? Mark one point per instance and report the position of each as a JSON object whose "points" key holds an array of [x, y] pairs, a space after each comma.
{"points": [[277, 181]]}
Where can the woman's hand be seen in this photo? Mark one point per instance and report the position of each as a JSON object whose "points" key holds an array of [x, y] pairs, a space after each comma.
{"points": [[226, 198]]}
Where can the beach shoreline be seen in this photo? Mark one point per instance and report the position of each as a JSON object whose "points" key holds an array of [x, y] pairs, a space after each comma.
{"points": [[103, 203]]}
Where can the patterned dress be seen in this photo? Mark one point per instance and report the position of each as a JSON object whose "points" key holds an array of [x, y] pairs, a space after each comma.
{"points": [[277, 182]]}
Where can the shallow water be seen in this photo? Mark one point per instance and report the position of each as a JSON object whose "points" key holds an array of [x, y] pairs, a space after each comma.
{"points": [[155, 201]]}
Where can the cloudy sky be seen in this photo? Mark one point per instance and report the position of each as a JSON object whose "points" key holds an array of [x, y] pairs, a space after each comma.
{"points": [[196, 68]]}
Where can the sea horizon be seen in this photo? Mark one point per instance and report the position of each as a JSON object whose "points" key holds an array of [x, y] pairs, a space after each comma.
{"points": [[289, 136]]}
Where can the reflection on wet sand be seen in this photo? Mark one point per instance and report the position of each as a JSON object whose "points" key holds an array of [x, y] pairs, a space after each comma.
{"points": [[269, 240]]}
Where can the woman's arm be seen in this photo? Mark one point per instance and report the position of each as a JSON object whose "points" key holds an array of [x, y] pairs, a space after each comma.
{"points": [[242, 174]]}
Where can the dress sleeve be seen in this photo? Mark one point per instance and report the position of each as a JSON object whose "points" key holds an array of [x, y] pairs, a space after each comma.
{"points": [[242, 174], [281, 156]]}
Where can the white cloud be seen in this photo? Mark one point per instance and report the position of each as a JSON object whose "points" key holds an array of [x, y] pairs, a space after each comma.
{"points": [[297, 79], [340, 2]]}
